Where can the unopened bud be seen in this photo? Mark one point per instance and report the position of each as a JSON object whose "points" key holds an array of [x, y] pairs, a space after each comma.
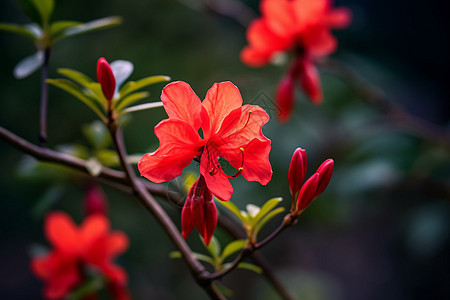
{"points": [[284, 97], [297, 170], [105, 77], [310, 81], [95, 201], [325, 171], [307, 193]]}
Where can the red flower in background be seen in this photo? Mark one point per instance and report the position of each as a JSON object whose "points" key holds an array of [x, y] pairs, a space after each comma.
{"points": [[303, 26], [229, 131], [77, 248]]}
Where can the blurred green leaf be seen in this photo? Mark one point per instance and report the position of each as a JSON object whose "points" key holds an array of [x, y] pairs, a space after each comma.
{"points": [[132, 86], [97, 134], [266, 219], [57, 27], [44, 203], [31, 31], [45, 8], [76, 91], [213, 247], [28, 65], [93, 166], [130, 99], [251, 267], [233, 208], [122, 69], [88, 27], [233, 247], [90, 287], [76, 76], [107, 157], [199, 256], [268, 206], [30, 9], [142, 107], [94, 89]]}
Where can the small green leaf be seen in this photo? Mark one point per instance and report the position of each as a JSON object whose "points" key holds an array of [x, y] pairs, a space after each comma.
{"points": [[89, 27], [233, 247], [141, 107], [122, 69], [251, 267], [97, 134], [213, 247], [76, 91], [94, 89], [130, 99], [45, 8], [198, 256], [93, 166], [132, 86], [31, 31], [30, 9], [233, 208], [57, 28], [28, 65], [266, 219], [76, 76], [268, 206], [107, 157]]}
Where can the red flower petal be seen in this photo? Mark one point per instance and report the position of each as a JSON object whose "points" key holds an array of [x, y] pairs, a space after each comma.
{"points": [[254, 57], [182, 103], [62, 233], [339, 18], [309, 12], [220, 100], [216, 181], [256, 161], [117, 243], [187, 220], [93, 228], [319, 41], [210, 220], [179, 144], [284, 97], [279, 15], [310, 81]]}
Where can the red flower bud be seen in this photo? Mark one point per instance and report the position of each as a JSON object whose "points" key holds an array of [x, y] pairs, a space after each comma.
{"points": [[310, 81], [307, 193], [284, 97], [297, 170], [199, 211], [95, 201], [106, 78], [325, 171]]}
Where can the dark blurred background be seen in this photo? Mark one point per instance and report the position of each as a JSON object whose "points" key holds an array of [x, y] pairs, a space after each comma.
{"points": [[381, 229]]}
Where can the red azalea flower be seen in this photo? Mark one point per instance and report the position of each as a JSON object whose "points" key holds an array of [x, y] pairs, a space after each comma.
{"points": [[302, 25], [75, 248], [229, 131]]}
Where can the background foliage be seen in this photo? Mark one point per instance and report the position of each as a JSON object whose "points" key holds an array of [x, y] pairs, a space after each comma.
{"points": [[380, 231]]}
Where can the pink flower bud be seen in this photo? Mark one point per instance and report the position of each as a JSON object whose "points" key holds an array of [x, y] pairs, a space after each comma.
{"points": [[106, 78], [284, 97], [325, 171], [199, 211], [307, 193], [297, 170], [310, 81], [95, 201]]}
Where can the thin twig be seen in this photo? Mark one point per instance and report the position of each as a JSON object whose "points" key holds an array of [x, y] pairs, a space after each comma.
{"points": [[394, 113], [44, 100]]}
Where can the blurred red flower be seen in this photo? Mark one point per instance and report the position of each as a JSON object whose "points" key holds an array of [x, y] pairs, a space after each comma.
{"points": [[218, 127], [303, 26], [75, 250]]}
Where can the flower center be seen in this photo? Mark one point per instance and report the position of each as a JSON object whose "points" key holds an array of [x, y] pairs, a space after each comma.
{"points": [[215, 167]]}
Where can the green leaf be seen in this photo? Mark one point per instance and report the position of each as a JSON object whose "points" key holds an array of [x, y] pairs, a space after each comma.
{"points": [[76, 91], [76, 76], [31, 31], [268, 206], [233, 247], [94, 89], [122, 69], [107, 157], [93, 166], [30, 9], [130, 99], [266, 219], [233, 208], [45, 8], [97, 134], [57, 28], [90, 287], [132, 86], [28, 65], [198, 256], [213, 247], [251, 267], [141, 107], [88, 27]]}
